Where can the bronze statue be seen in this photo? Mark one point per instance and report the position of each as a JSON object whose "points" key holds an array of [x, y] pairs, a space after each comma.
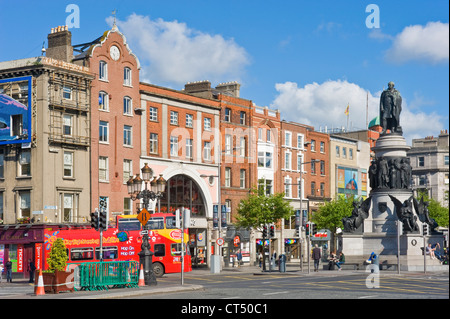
{"points": [[359, 213], [424, 215], [405, 213], [390, 108]]}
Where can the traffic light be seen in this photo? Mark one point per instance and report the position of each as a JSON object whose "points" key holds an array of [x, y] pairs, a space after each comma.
{"points": [[264, 233], [272, 231], [297, 232], [425, 229], [307, 229], [94, 220], [103, 220], [314, 229]]}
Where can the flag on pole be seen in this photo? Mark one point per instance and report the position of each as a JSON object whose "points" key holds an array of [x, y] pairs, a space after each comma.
{"points": [[347, 110]]}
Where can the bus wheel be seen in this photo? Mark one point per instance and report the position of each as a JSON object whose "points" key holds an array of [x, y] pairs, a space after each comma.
{"points": [[158, 269]]}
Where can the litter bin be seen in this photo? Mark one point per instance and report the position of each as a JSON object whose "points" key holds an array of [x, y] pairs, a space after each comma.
{"points": [[282, 263]]}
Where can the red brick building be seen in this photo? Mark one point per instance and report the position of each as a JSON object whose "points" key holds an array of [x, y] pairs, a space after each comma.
{"points": [[115, 119]]}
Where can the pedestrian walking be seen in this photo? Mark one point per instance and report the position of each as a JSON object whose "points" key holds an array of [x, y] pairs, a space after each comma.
{"points": [[316, 255], [1, 272], [31, 270], [239, 258], [8, 267]]}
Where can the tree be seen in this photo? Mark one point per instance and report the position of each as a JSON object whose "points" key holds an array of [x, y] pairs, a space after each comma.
{"points": [[58, 256], [259, 209]]}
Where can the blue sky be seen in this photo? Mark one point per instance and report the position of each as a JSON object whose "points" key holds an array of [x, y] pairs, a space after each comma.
{"points": [[309, 59]]}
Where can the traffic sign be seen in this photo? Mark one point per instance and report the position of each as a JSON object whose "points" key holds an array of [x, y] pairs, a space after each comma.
{"points": [[143, 217], [220, 241]]}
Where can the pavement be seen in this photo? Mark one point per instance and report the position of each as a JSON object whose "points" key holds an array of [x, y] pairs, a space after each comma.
{"points": [[21, 289]]}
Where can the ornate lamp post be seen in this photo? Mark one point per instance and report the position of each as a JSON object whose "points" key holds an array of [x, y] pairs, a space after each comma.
{"points": [[157, 188]]}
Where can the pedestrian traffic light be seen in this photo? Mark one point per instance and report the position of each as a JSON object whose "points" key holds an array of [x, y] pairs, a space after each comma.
{"points": [[103, 220], [272, 231], [314, 229], [425, 229], [264, 233], [94, 220], [307, 229]]}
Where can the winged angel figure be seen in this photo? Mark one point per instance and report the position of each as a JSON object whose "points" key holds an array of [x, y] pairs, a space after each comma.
{"points": [[405, 213], [424, 215], [359, 213]]}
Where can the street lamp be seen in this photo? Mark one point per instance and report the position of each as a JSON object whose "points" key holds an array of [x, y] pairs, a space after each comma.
{"points": [[157, 188]]}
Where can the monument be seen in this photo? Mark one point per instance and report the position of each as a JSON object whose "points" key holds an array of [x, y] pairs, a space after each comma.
{"points": [[390, 215]]}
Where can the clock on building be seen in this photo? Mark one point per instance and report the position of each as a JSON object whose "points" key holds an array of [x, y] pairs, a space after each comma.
{"points": [[114, 53]]}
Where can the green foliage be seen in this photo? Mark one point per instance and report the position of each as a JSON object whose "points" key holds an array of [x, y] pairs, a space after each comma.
{"points": [[438, 212], [329, 216], [58, 256], [259, 209]]}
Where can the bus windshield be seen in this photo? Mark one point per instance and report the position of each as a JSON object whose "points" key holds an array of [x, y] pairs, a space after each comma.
{"points": [[155, 223], [126, 224]]}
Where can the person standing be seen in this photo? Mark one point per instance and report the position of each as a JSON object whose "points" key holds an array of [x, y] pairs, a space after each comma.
{"points": [[31, 270], [8, 267], [316, 255]]}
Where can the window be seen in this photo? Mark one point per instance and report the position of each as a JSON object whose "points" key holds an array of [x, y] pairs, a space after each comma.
{"points": [[173, 146], [127, 207], [322, 147], [299, 162], [103, 70], [67, 93], [242, 146], [287, 187], [227, 176], [107, 252], [68, 164], [344, 152], [67, 125], [127, 105], [173, 118], [68, 210], [189, 148], [127, 135], [422, 180], [227, 115], [153, 143], [350, 153], [313, 167], [103, 101], [421, 161], [24, 204], [103, 175], [313, 145], [265, 159], [2, 165], [153, 114], [127, 76], [189, 120], [82, 253], [313, 188], [242, 118], [260, 133], [300, 141], [337, 151], [268, 135], [322, 189], [17, 125], [287, 160], [207, 124], [322, 167], [207, 151], [103, 132], [288, 139], [299, 188], [228, 142], [25, 163], [127, 170], [242, 178], [159, 250], [446, 162], [266, 184]]}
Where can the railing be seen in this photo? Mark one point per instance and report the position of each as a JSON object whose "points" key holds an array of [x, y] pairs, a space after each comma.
{"points": [[104, 275]]}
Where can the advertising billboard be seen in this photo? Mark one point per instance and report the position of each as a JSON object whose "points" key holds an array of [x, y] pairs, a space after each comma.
{"points": [[15, 110], [351, 182]]}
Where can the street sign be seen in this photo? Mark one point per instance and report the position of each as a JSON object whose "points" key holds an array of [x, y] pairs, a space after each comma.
{"points": [[220, 241], [143, 217]]}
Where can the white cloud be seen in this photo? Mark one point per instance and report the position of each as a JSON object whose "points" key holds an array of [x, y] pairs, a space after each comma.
{"points": [[171, 52], [321, 105], [428, 43]]}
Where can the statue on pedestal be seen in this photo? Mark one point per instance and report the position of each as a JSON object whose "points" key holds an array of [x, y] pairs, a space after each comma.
{"points": [[359, 213], [390, 108], [405, 213]]}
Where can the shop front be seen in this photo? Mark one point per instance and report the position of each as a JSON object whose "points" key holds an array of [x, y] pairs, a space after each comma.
{"points": [[20, 244]]}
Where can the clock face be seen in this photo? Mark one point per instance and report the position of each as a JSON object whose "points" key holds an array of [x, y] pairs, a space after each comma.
{"points": [[114, 53]]}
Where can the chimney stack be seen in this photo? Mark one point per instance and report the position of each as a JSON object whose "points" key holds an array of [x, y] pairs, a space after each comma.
{"points": [[60, 44]]}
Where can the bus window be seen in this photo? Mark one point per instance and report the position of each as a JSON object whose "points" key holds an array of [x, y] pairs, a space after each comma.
{"points": [[160, 250], [82, 253], [175, 249], [108, 252], [170, 223], [125, 224], [155, 223]]}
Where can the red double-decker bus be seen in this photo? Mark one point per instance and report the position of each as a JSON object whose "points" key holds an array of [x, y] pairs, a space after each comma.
{"points": [[123, 242]]}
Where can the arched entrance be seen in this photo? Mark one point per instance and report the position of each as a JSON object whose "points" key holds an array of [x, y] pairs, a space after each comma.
{"points": [[183, 191]]}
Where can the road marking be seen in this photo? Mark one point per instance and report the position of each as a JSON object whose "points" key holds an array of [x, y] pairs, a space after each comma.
{"points": [[276, 293], [364, 297], [235, 297]]}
